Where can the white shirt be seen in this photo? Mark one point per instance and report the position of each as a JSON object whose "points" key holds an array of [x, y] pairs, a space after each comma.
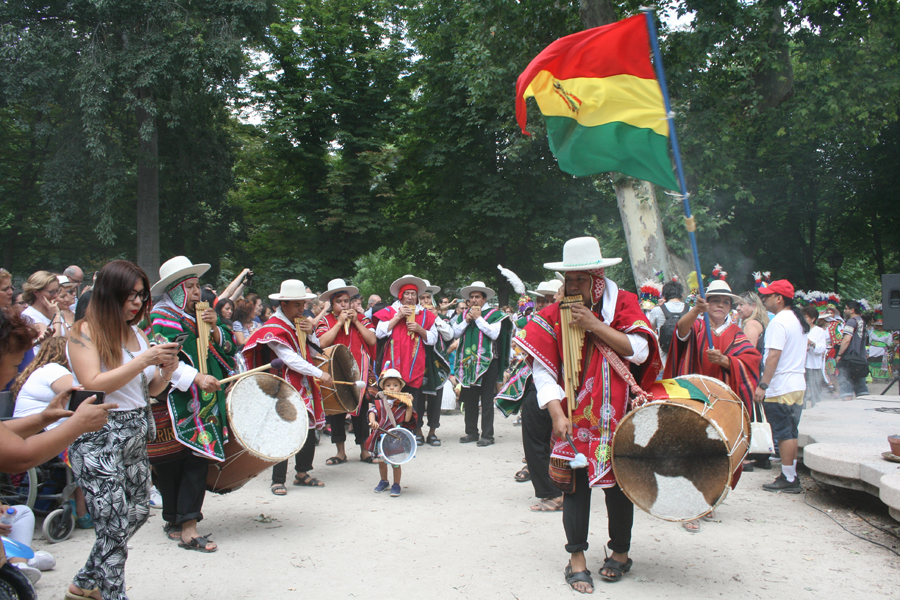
{"points": [[815, 356], [492, 330], [131, 395], [444, 329], [658, 317], [35, 316], [431, 335], [292, 359], [36, 394], [785, 333], [545, 381]]}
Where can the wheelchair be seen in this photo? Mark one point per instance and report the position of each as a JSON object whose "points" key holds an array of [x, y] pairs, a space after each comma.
{"points": [[45, 489]]}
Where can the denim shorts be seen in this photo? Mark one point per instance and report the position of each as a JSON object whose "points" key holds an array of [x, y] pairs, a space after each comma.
{"points": [[784, 419]]}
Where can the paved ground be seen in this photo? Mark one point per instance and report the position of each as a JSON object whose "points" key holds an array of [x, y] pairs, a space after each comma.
{"points": [[462, 529]]}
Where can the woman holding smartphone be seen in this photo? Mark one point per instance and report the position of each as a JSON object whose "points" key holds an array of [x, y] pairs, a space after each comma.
{"points": [[109, 353]]}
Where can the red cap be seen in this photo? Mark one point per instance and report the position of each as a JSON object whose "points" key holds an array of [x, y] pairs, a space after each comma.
{"points": [[782, 286]]}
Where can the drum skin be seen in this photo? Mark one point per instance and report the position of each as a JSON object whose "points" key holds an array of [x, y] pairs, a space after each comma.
{"points": [[268, 423], [676, 458], [341, 365]]}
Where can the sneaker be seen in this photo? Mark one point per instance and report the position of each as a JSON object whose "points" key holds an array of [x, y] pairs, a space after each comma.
{"points": [[30, 572], [42, 561], [395, 490], [382, 485], [485, 442], [84, 521], [781, 484], [467, 439], [155, 498]]}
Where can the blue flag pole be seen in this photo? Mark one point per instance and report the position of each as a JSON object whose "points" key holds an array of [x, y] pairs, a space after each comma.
{"points": [[689, 222]]}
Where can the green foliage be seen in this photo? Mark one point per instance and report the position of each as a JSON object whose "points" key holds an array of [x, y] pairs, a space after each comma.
{"points": [[376, 271]]}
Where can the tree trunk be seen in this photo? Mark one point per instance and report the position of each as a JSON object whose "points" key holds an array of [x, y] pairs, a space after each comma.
{"points": [[147, 192], [636, 199]]}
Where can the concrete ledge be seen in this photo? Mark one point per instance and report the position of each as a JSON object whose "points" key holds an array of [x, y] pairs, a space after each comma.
{"points": [[842, 444]]}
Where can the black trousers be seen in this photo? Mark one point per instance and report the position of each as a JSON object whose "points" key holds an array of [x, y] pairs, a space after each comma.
{"points": [[577, 516], [182, 485], [360, 425], [430, 405], [484, 393], [537, 428], [303, 458]]}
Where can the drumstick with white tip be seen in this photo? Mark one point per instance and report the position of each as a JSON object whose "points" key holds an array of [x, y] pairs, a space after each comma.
{"points": [[275, 364]]}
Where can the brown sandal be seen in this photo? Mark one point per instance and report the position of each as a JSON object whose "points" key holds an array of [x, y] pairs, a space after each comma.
{"points": [[548, 505]]}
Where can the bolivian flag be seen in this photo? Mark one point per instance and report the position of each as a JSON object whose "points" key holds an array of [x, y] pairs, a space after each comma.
{"points": [[602, 103]]}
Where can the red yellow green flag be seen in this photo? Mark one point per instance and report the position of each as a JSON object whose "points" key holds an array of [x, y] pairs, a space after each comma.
{"points": [[602, 103]]}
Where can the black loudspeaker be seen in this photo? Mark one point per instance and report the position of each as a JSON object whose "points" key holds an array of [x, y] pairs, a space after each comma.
{"points": [[890, 301]]}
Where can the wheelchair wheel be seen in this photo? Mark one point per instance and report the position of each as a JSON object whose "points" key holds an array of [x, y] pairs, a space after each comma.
{"points": [[59, 525], [21, 488]]}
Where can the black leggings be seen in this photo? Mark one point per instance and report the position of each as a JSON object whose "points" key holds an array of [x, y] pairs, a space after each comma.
{"points": [[577, 516], [537, 429]]}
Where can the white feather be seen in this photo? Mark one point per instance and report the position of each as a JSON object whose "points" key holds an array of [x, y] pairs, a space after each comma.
{"points": [[514, 280]]}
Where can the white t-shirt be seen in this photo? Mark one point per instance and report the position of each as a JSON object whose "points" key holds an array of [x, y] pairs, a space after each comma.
{"points": [[35, 316], [815, 356], [36, 394], [785, 333]]}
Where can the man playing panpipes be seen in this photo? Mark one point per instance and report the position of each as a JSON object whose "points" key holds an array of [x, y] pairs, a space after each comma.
{"points": [[619, 354], [408, 328], [277, 338], [351, 328], [196, 403], [482, 355]]}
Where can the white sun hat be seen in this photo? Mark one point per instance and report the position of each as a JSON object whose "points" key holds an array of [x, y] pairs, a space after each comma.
{"points": [[582, 254], [391, 374], [477, 286], [421, 286], [547, 288], [338, 285], [292, 289], [721, 288], [174, 269], [431, 289]]}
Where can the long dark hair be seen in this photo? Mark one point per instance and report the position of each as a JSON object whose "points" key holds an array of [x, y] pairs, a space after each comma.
{"points": [[789, 302], [114, 284], [221, 306]]}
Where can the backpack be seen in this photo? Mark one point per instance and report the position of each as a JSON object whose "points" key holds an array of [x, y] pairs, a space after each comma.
{"points": [[668, 328]]}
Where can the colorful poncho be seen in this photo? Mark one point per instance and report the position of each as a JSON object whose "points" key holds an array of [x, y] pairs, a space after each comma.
{"points": [[405, 353], [381, 405], [603, 394], [198, 417], [362, 352], [476, 350], [257, 353]]}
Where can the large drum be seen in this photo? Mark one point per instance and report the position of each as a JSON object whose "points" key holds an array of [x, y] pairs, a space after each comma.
{"points": [[675, 457], [267, 424], [340, 364]]}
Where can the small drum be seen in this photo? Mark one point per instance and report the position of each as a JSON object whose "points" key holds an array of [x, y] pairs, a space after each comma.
{"points": [[675, 458], [340, 364], [268, 424], [397, 446]]}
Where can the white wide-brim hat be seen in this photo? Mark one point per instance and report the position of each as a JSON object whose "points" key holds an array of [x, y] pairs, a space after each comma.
{"points": [[421, 286], [546, 288], [292, 289], [338, 285], [477, 286], [174, 269], [431, 289], [582, 254], [64, 281], [389, 374], [721, 288]]}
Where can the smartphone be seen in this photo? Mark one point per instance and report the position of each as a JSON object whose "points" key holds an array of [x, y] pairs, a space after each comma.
{"points": [[181, 338], [79, 396]]}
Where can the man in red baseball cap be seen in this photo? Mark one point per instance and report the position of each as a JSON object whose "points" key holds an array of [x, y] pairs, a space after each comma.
{"points": [[783, 383]]}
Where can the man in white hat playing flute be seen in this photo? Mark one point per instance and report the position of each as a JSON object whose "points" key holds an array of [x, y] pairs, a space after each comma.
{"points": [[278, 337], [196, 403], [482, 355], [619, 356]]}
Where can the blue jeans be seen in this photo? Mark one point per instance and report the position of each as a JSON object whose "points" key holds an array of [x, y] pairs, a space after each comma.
{"points": [[851, 387]]}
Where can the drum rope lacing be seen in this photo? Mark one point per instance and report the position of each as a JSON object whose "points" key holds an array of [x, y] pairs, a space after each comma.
{"points": [[702, 379]]}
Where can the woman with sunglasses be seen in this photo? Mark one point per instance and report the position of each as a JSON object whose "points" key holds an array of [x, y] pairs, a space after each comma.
{"points": [[109, 353], [41, 292]]}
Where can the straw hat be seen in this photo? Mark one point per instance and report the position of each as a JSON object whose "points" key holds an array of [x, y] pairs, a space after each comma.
{"points": [[421, 286], [174, 269], [582, 254], [477, 286], [721, 288], [292, 289], [390, 374], [547, 288], [338, 285]]}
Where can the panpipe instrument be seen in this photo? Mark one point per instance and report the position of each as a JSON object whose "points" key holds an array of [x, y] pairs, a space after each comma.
{"points": [[301, 337], [411, 319], [202, 337], [347, 325], [403, 397], [573, 339]]}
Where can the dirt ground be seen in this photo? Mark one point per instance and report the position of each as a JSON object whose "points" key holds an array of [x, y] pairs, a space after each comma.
{"points": [[462, 529]]}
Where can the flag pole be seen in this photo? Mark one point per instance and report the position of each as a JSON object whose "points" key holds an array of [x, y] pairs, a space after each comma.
{"points": [[689, 222]]}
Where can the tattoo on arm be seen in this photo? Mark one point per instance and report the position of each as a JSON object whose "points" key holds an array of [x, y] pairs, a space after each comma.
{"points": [[76, 341]]}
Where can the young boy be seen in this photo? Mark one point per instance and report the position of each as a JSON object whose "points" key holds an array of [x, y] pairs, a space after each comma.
{"points": [[391, 408]]}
